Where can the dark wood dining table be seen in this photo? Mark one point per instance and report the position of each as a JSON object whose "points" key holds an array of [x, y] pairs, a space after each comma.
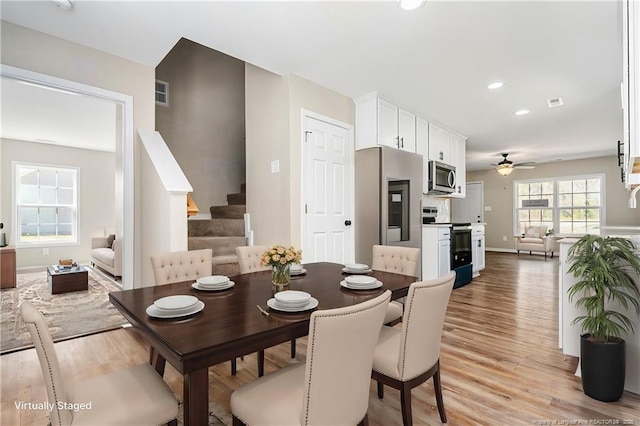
{"points": [[231, 325]]}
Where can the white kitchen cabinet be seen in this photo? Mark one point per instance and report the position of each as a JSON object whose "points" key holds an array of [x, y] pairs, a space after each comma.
{"points": [[477, 248], [631, 91], [436, 251], [439, 144], [458, 149], [382, 122]]}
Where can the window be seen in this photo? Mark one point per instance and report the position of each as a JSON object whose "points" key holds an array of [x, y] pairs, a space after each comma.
{"points": [[46, 204], [162, 93], [568, 205]]}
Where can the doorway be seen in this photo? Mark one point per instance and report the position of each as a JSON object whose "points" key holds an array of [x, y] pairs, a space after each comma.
{"points": [[124, 152], [328, 190]]}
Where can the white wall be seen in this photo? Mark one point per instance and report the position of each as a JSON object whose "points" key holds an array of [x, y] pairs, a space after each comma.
{"points": [[97, 208], [38, 52]]}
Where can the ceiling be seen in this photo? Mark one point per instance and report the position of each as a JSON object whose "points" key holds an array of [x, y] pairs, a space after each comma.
{"points": [[436, 61]]}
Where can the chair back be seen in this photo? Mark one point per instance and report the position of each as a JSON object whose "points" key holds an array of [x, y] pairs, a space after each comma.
{"points": [[53, 380], [340, 352], [422, 323], [398, 260], [536, 231], [181, 266], [249, 258]]}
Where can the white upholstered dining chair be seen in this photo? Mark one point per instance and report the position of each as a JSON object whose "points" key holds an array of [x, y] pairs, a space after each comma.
{"points": [[134, 396], [408, 357], [180, 266], [249, 258], [332, 386], [398, 260]]}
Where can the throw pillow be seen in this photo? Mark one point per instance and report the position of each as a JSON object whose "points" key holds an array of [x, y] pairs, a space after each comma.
{"points": [[533, 233], [110, 239]]}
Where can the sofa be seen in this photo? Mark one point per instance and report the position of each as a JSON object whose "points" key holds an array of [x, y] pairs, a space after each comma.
{"points": [[106, 253], [535, 239]]}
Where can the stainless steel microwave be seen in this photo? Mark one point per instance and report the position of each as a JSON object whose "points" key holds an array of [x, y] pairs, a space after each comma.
{"points": [[442, 178]]}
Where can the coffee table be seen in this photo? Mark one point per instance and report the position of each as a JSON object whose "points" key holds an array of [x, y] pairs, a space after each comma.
{"points": [[65, 280]]}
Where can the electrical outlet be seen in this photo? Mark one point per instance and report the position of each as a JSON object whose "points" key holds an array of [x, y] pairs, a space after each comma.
{"points": [[45, 251], [504, 238]]}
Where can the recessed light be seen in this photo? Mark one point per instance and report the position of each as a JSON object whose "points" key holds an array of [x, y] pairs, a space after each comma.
{"points": [[411, 4], [63, 4], [495, 85], [522, 112]]}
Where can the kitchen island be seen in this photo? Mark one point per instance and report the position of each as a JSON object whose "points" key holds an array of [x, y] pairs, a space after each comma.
{"points": [[569, 335]]}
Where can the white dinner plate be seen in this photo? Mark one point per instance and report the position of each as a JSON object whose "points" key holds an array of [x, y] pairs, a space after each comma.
{"points": [[373, 286], [212, 280], [357, 266], [356, 271], [172, 303], [273, 304], [227, 285], [154, 312], [292, 296], [360, 280], [298, 272]]}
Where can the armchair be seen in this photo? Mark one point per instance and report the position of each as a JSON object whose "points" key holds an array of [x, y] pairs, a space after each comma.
{"points": [[535, 239]]}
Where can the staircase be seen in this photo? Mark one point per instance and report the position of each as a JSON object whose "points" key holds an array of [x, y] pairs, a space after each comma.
{"points": [[222, 233]]}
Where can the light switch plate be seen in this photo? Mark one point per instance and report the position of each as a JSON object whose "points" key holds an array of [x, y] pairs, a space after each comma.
{"points": [[275, 166], [487, 208]]}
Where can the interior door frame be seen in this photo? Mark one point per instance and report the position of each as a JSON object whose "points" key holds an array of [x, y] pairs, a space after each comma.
{"points": [[303, 175], [125, 135]]}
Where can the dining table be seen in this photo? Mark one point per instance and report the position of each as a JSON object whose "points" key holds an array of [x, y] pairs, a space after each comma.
{"points": [[231, 325]]}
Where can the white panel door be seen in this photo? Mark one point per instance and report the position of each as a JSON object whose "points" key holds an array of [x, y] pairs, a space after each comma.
{"points": [[328, 192]]}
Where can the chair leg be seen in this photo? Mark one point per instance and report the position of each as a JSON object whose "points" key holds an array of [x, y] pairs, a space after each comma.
{"points": [[261, 363], [380, 390], [364, 421], [405, 402], [293, 348], [234, 367], [438, 389]]}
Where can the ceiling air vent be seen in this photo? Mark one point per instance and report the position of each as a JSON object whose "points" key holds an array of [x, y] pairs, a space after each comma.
{"points": [[555, 102], [162, 93]]}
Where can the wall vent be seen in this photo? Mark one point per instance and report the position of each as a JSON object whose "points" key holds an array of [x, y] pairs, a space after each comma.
{"points": [[162, 93], [554, 102]]}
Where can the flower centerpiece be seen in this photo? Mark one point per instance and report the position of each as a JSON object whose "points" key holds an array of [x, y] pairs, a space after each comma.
{"points": [[280, 259]]}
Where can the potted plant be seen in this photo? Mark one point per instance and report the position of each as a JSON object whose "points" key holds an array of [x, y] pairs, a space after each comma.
{"points": [[604, 267]]}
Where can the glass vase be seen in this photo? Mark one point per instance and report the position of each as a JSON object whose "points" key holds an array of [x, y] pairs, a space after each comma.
{"points": [[281, 277]]}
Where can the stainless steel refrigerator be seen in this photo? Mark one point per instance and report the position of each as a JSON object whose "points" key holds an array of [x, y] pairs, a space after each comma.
{"points": [[388, 195]]}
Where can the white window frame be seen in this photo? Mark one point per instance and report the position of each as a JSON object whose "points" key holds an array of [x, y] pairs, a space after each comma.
{"points": [[556, 208], [16, 165]]}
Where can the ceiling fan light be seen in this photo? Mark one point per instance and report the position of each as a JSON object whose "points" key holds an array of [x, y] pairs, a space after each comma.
{"points": [[411, 4], [504, 170]]}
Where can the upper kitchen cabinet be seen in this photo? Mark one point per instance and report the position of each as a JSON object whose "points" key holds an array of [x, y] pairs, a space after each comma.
{"points": [[458, 150], [382, 122], [439, 145], [631, 91]]}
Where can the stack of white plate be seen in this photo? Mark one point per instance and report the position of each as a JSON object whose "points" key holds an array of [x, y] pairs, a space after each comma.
{"points": [[175, 306], [360, 282], [356, 268], [297, 269], [292, 301], [213, 283]]}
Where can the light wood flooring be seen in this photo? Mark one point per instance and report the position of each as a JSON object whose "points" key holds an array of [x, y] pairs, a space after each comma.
{"points": [[500, 362]]}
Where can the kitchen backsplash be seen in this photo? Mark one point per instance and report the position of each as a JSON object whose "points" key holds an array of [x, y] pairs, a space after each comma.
{"points": [[443, 205]]}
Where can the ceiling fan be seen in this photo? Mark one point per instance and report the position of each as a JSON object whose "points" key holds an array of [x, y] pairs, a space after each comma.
{"points": [[505, 167]]}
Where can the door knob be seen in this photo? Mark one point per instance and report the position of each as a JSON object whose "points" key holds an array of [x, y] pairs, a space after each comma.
{"points": [[347, 222]]}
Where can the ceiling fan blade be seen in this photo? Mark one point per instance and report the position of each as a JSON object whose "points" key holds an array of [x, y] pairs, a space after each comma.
{"points": [[526, 163], [525, 167]]}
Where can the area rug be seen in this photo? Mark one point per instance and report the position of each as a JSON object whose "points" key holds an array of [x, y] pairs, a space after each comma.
{"points": [[68, 315], [218, 416]]}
